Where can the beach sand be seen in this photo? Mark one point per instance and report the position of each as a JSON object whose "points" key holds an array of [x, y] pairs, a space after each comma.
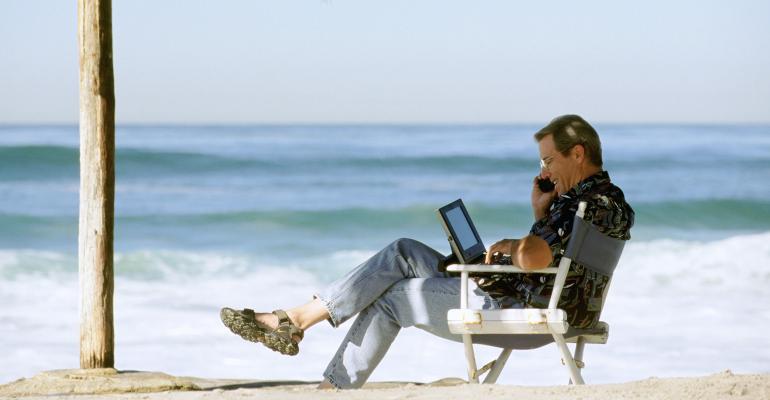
{"points": [[134, 385]]}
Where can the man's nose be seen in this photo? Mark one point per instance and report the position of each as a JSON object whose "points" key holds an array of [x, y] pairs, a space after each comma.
{"points": [[544, 174]]}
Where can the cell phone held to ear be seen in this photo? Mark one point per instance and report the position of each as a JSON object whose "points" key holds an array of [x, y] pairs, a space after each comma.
{"points": [[545, 185]]}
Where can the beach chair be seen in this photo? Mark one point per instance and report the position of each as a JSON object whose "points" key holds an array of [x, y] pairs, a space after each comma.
{"points": [[518, 329]]}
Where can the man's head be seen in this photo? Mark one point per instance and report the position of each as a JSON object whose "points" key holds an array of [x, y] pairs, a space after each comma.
{"points": [[570, 151]]}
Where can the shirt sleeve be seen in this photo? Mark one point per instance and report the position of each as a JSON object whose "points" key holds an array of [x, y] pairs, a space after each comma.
{"points": [[554, 232]]}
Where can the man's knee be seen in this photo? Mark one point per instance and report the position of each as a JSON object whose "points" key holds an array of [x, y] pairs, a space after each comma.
{"points": [[417, 258], [406, 244]]}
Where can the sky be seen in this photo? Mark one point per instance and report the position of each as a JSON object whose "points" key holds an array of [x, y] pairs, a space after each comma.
{"points": [[432, 61]]}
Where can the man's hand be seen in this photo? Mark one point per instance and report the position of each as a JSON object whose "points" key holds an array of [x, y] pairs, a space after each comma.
{"points": [[504, 246], [541, 201], [530, 252]]}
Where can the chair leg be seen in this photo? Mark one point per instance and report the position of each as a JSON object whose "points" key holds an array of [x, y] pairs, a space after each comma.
{"points": [[568, 360], [494, 373], [579, 347], [469, 355]]}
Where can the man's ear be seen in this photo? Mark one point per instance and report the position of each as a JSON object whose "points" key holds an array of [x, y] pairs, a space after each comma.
{"points": [[579, 152]]}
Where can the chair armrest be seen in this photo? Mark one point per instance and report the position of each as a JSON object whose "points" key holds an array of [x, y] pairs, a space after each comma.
{"points": [[498, 269], [507, 321]]}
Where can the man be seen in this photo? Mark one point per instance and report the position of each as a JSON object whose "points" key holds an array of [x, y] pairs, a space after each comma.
{"points": [[402, 285]]}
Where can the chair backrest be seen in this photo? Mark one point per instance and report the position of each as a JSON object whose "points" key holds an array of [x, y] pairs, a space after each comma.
{"points": [[593, 249], [589, 247]]}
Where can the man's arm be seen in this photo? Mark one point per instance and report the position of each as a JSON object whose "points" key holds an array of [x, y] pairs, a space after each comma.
{"points": [[530, 252]]}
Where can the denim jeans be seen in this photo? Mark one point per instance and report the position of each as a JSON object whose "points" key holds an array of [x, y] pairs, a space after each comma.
{"points": [[398, 287]]}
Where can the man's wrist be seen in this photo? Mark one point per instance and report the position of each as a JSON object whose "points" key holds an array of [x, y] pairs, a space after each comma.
{"points": [[514, 247]]}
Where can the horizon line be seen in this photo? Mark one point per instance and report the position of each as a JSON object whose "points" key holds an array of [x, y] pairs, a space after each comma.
{"points": [[6, 124]]}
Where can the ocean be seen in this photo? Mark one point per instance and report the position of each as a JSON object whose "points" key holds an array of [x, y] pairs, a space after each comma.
{"points": [[264, 216]]}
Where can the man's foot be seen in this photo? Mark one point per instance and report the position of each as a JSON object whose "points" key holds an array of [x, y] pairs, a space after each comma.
{"points": [[275, 330], [325, 385]]}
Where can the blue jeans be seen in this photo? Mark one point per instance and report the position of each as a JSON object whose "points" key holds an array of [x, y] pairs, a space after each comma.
{"points": [[398, 287]]}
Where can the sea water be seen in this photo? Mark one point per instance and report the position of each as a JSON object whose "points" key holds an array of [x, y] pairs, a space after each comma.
{"points": [[264, 216]]}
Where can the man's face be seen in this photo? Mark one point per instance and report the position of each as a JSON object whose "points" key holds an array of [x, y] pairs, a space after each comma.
{"points": [[562, 170]]}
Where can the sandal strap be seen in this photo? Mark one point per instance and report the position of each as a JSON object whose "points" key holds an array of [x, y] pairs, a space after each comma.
{"points": [[283, 318], [285, 325]]}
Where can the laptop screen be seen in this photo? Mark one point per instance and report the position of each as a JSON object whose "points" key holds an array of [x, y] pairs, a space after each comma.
{"points": [[463, 232]]}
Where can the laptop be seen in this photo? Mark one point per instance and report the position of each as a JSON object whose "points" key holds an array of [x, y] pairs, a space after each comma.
{"points": [[467, 247]]}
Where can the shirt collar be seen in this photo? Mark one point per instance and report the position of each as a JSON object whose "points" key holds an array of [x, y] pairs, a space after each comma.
{"points": [[586, 184]]}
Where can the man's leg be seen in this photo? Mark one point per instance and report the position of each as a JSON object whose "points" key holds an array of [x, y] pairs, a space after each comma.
{"points": [[402, 259], [420, 302], [344, 298]]}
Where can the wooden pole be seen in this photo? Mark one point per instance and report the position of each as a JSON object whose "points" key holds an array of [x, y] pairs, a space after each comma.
{"points": [[97, 183]]}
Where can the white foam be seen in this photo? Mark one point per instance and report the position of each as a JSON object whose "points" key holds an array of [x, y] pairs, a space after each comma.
{"points": [[675, 308]]}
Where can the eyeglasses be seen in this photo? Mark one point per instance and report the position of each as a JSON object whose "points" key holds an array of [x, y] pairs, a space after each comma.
{"points": [[545, 163]]}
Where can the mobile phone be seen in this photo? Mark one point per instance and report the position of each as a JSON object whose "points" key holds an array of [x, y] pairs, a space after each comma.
{"points": [[545, 185]]}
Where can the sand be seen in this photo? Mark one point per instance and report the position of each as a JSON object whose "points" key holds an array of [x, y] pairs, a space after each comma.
{"points": [[75, 384]]}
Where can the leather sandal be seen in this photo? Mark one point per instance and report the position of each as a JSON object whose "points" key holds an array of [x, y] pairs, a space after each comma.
{"points": [[281, 339]]}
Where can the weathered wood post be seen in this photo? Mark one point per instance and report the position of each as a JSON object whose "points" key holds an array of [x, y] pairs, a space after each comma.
{"points": [[97, 183]]}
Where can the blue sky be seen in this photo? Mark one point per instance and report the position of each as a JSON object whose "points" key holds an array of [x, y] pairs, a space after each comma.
{"points": [[392, 61]]}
